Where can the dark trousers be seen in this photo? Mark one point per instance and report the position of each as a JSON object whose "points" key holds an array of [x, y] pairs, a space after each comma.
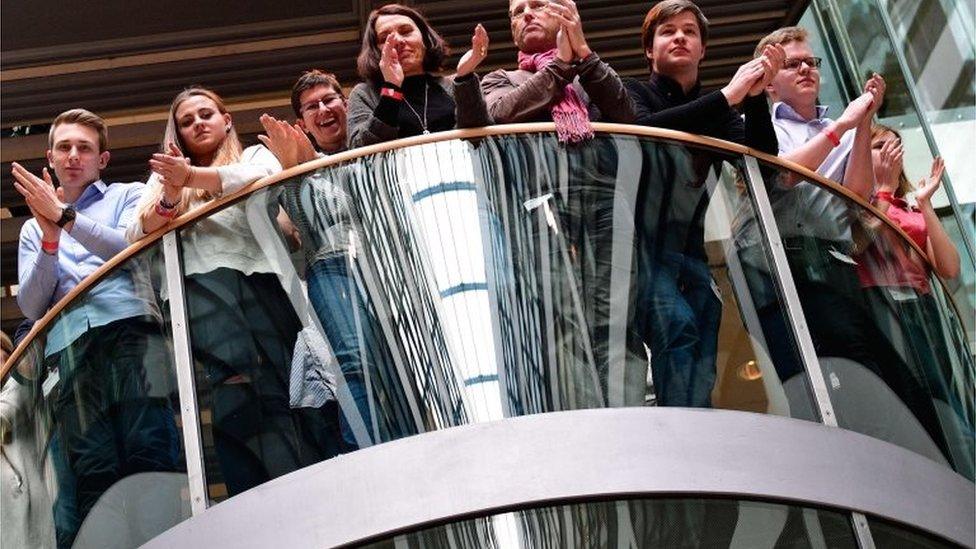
{"points": [[243, 331], [841, 324], [109, 423], [678, 316]]}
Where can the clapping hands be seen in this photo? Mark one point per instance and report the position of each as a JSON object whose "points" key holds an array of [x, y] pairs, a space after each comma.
{"points": [[287, 142], [479, 50]]}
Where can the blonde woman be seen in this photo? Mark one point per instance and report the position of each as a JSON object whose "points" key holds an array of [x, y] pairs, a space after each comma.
{"points": [[241, 325]]}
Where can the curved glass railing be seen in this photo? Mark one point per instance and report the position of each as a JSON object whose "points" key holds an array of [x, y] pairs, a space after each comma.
{"points": [[472, 276]]}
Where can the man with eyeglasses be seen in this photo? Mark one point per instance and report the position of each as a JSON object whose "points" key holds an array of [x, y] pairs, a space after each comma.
{"points": [[320, 209], [839, 150], [818, 229]]}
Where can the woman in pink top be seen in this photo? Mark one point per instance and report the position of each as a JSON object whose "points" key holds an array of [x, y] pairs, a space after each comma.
{"points": [[896, 280], [920, 222]]}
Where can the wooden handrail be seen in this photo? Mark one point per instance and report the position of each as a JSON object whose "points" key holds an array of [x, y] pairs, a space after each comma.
{"points": [[469, 133]]}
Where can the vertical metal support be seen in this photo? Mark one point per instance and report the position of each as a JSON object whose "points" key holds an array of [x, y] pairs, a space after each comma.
{"points": [[784, 280], [189, 413], [967, 238], [862, 531], [798, 323]]}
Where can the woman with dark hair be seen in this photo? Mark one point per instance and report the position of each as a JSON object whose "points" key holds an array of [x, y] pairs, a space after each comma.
{"points": [[242, 328], [401, 95]]}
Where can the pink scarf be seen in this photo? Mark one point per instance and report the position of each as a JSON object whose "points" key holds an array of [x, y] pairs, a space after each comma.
{"points": [[569, 113]]}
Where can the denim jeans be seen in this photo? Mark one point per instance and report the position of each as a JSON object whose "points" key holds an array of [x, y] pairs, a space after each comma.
{"points": [[351, 334], [678, 317]]}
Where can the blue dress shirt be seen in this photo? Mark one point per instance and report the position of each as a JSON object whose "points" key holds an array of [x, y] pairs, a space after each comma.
{"points": [[104, 212]]}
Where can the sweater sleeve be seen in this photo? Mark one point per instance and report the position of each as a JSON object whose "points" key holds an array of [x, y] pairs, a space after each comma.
{"points": [[692, 117], [256, 162], [509, 103], [759, 131], [471, 111], [606, 90], [364, 126]]}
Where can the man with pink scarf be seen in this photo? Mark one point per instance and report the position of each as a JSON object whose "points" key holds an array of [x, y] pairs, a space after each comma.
{"points": [[575, 216], [559, 78]]}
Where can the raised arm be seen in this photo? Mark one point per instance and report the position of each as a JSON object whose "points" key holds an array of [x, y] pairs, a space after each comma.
{"points": [[509, 103], [371, 118], [606, 90], [37, 270], [940, 249], [471, 111], [859, 173]]}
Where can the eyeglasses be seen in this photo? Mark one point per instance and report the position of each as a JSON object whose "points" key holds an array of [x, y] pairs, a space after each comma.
{"points": [[794, 63], [327, 102]]}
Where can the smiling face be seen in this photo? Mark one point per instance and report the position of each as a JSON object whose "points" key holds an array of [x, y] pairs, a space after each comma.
{"points": [[323, 116], [677, 45], [409, 41], [797, 87], [74, 155], [201, 125], [533, 27]]}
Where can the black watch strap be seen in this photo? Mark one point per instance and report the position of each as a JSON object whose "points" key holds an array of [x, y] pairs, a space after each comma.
{"points": [[67, 216]]}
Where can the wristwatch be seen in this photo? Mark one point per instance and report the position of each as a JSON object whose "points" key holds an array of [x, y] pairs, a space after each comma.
{"points": [[68, 214]]}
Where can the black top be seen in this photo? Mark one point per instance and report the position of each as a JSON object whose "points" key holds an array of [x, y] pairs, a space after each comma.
{"points": [[672, 206], [661, 102], [439, 107]]}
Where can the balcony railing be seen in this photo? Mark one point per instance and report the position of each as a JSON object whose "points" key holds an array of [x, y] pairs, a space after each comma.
{"points": [[478, 275]]}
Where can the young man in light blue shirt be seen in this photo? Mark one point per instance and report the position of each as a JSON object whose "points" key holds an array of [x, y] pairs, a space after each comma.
{"points": [[103, 349]]}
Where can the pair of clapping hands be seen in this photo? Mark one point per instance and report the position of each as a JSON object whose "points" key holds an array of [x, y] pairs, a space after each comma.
{"points": [[890, 166], [752, 77], [392, 70], [45, 202]]}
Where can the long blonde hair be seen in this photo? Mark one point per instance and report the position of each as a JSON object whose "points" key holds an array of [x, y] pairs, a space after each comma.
{"points": [[904, 186], [228, 152]]}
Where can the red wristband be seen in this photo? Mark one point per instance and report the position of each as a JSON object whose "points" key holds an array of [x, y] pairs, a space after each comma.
{"points": [[162, 211], [391, 93], [49, 247], [831, 136], [884, 195]]}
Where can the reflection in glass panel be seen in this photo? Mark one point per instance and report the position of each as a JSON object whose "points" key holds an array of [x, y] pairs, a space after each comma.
{"points": [[642, 523], [459, 282], [891, 347], [91, 407], [890, 534]]}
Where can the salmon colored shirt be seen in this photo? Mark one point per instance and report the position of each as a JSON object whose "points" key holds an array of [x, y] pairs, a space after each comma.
{"points": [[898, 265]]}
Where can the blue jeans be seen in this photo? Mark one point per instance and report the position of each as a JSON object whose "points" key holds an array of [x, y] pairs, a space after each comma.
{"points": [[346, 321], [678, 316]]}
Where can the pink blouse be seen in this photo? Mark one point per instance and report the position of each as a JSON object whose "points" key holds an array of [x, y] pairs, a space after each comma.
{"points": [[898, 265]]}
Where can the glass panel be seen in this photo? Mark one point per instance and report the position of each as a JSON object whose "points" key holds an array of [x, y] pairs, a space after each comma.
{"points": [[643, 523], [94, 438], [890, 534], [459, 282], [891, 346]]}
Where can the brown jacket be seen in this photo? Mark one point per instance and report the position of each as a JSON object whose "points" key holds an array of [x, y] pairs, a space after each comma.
{"points": [[523, 96]]}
